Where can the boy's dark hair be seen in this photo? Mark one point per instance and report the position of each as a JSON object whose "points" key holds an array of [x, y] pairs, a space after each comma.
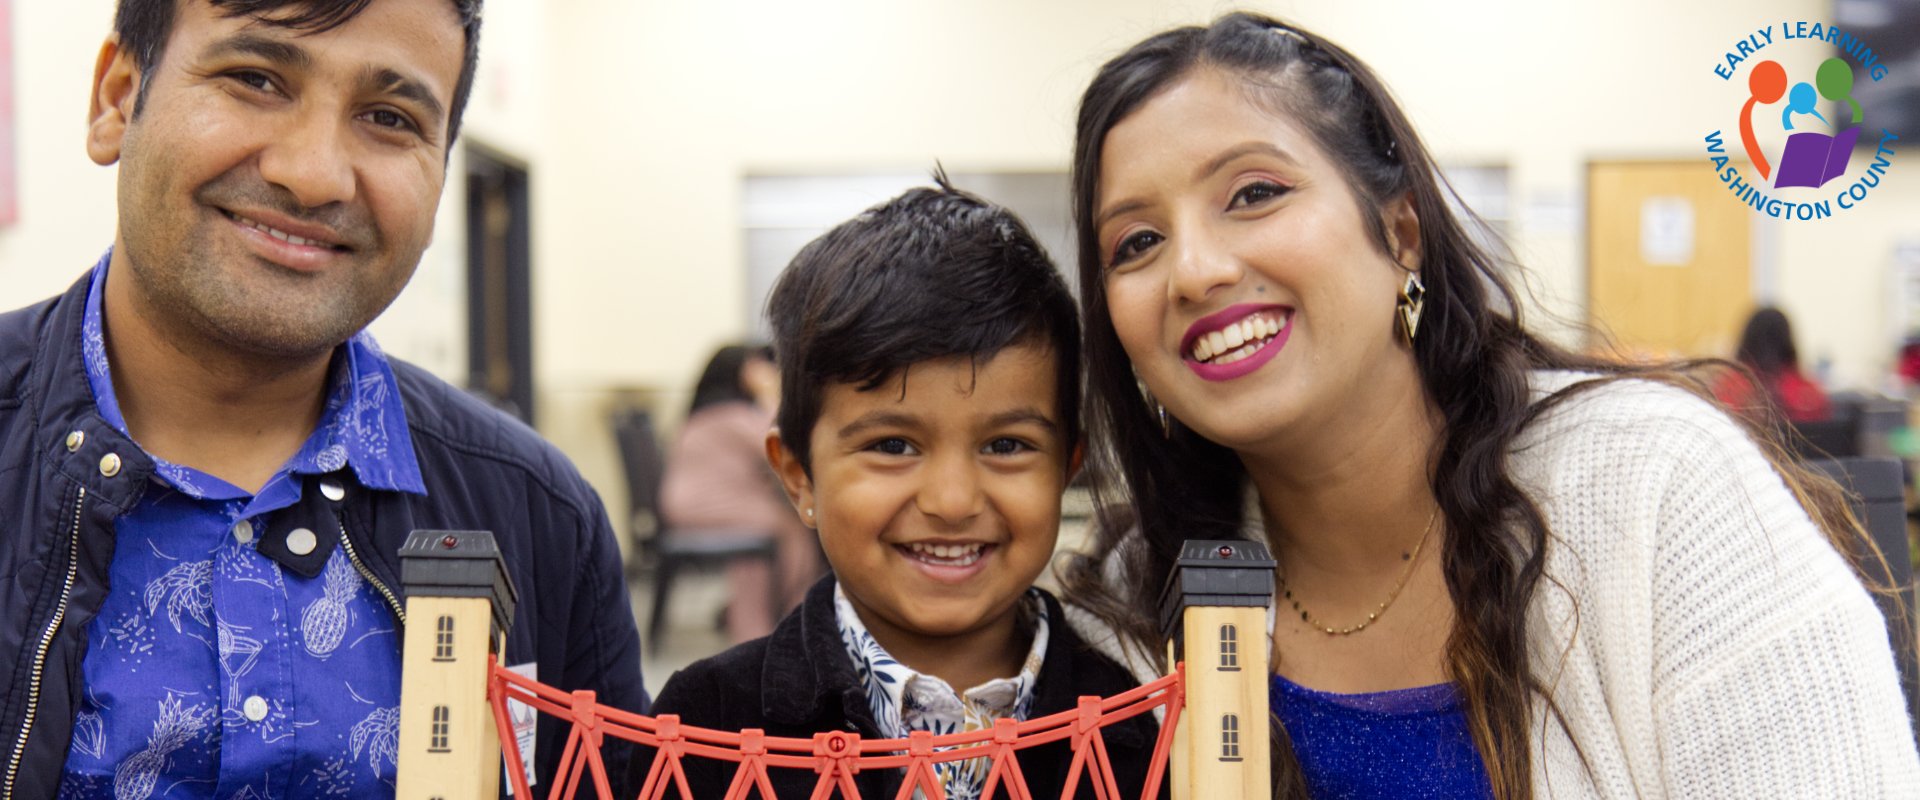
{"points": [[145, 25], [933, 273]]}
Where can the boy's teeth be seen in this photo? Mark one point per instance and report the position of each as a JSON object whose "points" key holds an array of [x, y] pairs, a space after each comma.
{"points": [[951, 555]]}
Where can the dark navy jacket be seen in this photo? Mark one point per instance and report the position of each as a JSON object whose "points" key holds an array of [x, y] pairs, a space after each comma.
{"points": [[483, 470], [800, 681]]}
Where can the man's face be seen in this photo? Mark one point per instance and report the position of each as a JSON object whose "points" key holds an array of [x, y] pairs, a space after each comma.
{"points": [[276, 186]]}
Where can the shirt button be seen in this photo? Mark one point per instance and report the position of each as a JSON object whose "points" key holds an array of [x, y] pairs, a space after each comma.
{"points": [[110, 465], [74, 440], [255, 708], [243, 532], [301, 541], [332, 490]]}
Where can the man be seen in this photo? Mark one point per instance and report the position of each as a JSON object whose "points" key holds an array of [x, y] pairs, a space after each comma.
{"points": [[207, 468]]}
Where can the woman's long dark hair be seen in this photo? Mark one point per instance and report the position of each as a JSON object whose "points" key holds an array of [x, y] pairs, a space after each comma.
{"points": [[1473, 356]]}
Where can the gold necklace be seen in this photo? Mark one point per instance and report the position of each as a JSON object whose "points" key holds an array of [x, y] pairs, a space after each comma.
{"points": [[1411, 559]]}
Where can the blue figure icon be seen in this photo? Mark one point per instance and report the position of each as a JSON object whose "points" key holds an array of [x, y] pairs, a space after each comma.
{"points": [[1800, 100]]}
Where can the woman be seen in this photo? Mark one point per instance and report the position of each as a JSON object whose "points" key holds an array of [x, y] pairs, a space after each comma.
{"points": [[1506, 570], [1766, 350], [717, 477]]}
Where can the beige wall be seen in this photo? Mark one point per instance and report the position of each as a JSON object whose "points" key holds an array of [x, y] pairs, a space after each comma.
{"points": [[639, 120]]}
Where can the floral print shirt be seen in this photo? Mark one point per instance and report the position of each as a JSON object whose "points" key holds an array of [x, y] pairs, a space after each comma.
{"points": [[903, 700], [214, 671]]}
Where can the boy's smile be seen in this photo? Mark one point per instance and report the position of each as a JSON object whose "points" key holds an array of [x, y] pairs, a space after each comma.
{"points": [[937, 495]]}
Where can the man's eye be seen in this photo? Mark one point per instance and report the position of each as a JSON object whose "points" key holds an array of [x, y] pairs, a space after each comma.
{"points": [[893, 446], [388, 118], [1133, 245], [254, 79], [1255, 194], [1007, 446]]}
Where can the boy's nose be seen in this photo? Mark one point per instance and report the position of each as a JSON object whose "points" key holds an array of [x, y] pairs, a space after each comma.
{"points": [[950, 490]]}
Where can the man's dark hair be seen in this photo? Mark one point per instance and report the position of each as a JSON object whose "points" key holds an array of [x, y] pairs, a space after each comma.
{"points": [[145, 25], [933, 273]]}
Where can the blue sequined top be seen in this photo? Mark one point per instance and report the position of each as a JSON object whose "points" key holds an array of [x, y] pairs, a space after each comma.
{"points": [[1402, 744]]}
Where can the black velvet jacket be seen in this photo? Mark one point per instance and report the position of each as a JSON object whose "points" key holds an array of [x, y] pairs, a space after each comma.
{"points": [[800, 681]]}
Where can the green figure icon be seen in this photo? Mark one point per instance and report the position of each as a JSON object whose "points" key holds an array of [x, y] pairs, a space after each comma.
{"points": [[1835, 80]]}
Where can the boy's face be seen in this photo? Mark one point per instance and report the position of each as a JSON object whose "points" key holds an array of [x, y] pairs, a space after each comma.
{"points": [[937, 494]]}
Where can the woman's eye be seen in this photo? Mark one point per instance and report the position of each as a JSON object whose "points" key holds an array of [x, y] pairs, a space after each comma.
{"points": [[1133, 245], [893, 446], [1007, 446], [1255, 194]]}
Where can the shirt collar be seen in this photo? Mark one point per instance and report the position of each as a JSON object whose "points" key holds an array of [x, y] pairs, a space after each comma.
{"points": [[363, 425], [893, 689]]}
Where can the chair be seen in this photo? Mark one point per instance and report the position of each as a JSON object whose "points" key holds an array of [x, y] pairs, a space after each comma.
{"points": [[1874, 489], [664, 550], [1835, 438]]}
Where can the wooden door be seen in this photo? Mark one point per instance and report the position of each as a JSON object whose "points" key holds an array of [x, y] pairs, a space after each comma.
{"points": [[1669, 258]]}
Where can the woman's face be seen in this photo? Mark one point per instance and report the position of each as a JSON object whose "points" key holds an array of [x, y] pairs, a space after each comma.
{"points": [[1240, 275]]}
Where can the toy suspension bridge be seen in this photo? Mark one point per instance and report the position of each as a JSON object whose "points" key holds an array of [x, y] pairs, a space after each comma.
{"points": [[455, 721]]}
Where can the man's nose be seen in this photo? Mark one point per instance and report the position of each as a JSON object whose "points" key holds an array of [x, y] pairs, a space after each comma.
{"points": [[312, 158]]}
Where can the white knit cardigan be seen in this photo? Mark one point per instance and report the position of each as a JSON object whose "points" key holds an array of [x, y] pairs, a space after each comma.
{"points": [[1700, 636]]}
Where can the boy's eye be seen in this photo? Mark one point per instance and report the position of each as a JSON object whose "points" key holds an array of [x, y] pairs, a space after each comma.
{"points": [[892, 446], [1133, 245], [1255, 193], [1007, 446]]}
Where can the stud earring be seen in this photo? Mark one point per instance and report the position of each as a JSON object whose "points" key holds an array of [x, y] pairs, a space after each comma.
{"points": [[1413, 300]]}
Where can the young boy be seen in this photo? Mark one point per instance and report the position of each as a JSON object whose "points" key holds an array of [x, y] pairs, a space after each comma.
{"points": [[929, 357]]}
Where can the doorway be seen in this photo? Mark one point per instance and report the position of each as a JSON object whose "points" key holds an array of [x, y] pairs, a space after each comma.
{"points": [[1669, 259], [499, 282]]}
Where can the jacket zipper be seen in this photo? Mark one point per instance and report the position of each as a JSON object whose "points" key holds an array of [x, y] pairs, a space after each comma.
{"points": [[347, 542], [46, 643]]}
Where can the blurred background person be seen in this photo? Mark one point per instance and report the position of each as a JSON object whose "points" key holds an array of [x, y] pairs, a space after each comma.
{"points": [[717, 477], [1766, 348]]}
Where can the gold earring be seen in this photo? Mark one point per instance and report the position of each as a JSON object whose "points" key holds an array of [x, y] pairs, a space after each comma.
{"points": [[1413, 300]]}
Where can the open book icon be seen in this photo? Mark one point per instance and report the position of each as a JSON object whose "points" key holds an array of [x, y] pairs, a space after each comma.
{"points": [[1812, 159]]}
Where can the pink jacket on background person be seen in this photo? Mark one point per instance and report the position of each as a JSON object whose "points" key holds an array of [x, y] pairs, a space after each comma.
{"points": [[717, 477]]}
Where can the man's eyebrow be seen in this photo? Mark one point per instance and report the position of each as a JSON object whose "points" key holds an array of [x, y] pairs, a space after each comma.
{"points": [[281, 53], [392, 81]]}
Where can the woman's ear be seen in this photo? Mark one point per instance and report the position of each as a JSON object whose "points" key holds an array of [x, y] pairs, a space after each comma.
{"points": [[1076, 459], [116, 89], [793, 476], [1403, 232]]}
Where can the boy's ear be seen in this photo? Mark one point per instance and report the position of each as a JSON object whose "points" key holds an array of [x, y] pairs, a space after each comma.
{"points": [[793, 476], [116, 87]]}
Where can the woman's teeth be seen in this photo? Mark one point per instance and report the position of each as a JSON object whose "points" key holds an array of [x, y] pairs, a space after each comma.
{"points": [[947, 555], [1237, 341]]}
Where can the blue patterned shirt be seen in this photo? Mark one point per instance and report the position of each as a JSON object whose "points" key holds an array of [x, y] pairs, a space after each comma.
{"points": [[214, 671], [903, 700]]}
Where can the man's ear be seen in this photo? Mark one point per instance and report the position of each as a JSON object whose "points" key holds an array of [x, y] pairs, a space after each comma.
{"points": [[116, 87], [1403, 232], [793, 476]]}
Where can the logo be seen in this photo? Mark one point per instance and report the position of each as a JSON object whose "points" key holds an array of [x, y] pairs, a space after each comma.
{"points": [[1800, 137]]}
